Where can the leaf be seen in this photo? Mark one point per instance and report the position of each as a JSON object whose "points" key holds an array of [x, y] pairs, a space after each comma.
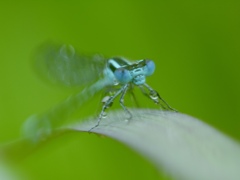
{"points": [[7, 173], [181, 145]]}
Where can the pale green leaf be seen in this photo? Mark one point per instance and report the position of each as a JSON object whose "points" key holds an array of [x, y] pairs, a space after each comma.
{"points": [[181, 145]]}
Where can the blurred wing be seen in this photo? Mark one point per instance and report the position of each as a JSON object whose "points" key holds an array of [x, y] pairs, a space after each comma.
{"points": [[61, 64]]}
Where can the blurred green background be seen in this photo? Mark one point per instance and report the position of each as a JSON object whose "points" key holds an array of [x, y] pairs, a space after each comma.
{"points": [[196, 47]]}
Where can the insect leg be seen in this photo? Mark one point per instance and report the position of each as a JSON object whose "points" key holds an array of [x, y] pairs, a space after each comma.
{"points": [[106, 105], [154, 95], [122, 101], [133, 97]]}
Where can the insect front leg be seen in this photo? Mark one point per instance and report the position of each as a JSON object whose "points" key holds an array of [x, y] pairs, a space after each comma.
{"points": [[133, 97], [157, 99], [106, 105], [121, 101]]}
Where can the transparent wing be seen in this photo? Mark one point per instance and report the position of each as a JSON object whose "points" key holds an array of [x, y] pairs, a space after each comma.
{"points": [[62, 64]]}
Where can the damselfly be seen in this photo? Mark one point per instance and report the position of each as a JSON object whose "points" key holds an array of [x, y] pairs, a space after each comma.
{"points": [[64, 65]]}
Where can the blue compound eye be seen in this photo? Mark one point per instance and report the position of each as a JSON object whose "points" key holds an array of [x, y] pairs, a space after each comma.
{"points": [[123, 75], [149, 68]]}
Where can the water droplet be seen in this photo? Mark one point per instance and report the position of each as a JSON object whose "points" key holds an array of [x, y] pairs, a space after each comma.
{"points": [[153, 95], [104, 115]]}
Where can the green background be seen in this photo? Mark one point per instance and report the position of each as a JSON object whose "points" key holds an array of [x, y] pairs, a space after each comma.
{"points": [[196, 48]]}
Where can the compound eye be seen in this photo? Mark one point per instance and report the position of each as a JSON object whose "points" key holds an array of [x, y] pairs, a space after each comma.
{"points": [[123, 75], [149, 68]]}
